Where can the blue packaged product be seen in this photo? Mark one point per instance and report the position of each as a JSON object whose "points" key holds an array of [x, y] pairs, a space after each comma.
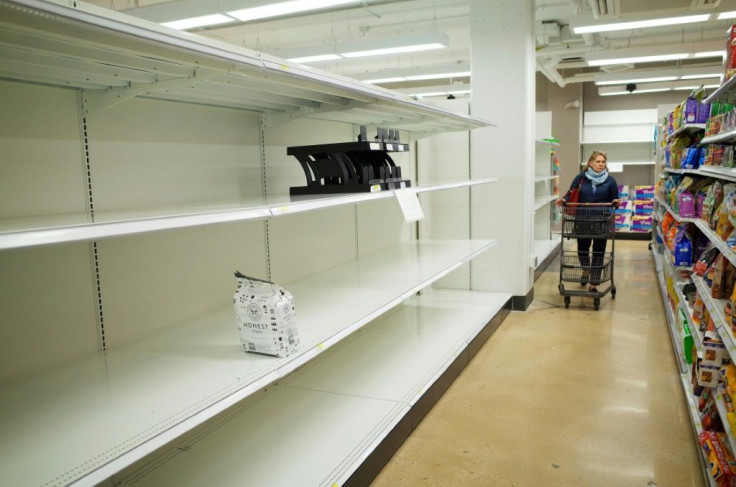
{"points": [[683, 250]]}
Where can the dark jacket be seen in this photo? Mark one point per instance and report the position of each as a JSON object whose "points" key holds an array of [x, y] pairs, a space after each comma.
{"points": [[604, 193]]}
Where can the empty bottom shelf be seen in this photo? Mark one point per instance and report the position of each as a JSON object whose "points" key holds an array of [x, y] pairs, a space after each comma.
{"points": [[319, 424]]}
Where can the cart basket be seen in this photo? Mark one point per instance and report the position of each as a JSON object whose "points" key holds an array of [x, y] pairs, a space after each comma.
{"points": [[588, 220], [600, 269]]}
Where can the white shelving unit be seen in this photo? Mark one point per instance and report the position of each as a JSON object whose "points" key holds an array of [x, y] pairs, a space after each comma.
{"points": [[143, 167], [414, 350], [546, 192]]}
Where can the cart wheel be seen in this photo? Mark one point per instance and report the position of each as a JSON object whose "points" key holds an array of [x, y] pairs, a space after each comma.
{"points": [[650, 245], [613, 293], [560, 287], [597, 303], [567, 301]]}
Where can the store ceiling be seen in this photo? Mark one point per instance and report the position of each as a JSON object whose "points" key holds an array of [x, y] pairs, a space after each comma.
{"points": [[562, 56]]}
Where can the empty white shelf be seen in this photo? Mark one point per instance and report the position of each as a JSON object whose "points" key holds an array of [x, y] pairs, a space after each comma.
{"points": [[727, 173], [99, 415], [29, 232], [542, 201], [316, 427], [687, 128], [112, 57], [543, 248]]}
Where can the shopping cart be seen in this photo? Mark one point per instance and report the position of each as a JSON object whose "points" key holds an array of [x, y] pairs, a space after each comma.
{"points": [[594, 221]]}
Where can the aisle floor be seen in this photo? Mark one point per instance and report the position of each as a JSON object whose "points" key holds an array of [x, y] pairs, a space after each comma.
{"points": [[564, 397]]}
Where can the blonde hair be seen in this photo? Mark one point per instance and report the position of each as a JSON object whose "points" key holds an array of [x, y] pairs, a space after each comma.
{"points": [[593, 157]]}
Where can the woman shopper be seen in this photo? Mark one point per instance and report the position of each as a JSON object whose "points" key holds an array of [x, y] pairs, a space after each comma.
{"points": [[595, 186]]}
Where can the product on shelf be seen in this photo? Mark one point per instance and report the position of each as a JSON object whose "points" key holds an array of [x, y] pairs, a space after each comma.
{"points": [[644, 192], [622, 222], [641, 223], [715, 353], [265, 317], [351, 167], [623, 191], [682, 251], [712, 201], [706, 258], [729, 60], [719, 458]]}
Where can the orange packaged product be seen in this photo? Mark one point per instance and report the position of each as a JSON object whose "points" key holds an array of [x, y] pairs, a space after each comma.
{"points": [[719, 458]]}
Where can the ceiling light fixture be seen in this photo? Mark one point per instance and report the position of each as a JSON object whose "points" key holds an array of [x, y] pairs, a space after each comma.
{"points": [[639, 59], [678, 88], [706, 75], [315, 59], [639, 24], [708, 54], [365, 48], [636, 80], [445, 71], [421, 77], [622, 89], [380, 81], [655, 53], [652, 75], [727, 15], [285, 8], [191, 23]]}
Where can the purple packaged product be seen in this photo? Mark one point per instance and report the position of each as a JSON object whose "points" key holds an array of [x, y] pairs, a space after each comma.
{"points": [[644, 192], [703, 112], [686, 204], [643, 207], [690, 110], [699, 204], [640, 223]]}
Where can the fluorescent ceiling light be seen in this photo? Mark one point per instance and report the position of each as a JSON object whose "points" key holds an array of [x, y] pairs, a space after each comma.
{"points": [[379, 81], [693, 87], [193, 22], [639, 59], [639, 24], [433, 93], [708, 54], [727, 15], [706, 75], [655, 75], [285, 8], [393, 50], [613, 93], [636, 80], [314, 59], [437, 90], [652, 90], [419, 77], [364, 48]]}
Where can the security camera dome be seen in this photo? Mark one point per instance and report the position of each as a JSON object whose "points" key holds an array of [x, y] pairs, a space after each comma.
{"points": [[631, 87]]}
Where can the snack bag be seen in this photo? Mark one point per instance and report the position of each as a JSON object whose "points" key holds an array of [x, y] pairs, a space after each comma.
{"points": [[265, 317], [706, 259]]}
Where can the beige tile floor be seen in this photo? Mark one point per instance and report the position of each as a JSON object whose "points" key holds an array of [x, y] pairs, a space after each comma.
{"points": [[564, 397]]}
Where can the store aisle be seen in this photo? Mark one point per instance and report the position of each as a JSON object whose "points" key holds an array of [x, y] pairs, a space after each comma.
{"points": [[560, 397]]}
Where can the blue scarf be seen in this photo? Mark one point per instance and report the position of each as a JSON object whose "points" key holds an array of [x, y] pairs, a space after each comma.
{"points": [[596, 178]]}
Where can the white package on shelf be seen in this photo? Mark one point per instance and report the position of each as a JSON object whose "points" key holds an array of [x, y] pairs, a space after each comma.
{"points": [[265, 315]]}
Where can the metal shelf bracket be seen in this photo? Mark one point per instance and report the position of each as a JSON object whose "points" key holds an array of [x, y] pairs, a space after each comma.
{"points": [[95, 101]]}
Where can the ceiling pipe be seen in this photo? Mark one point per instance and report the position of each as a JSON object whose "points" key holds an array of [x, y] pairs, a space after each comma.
{"points": [[595, 7], [547, 68]]}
